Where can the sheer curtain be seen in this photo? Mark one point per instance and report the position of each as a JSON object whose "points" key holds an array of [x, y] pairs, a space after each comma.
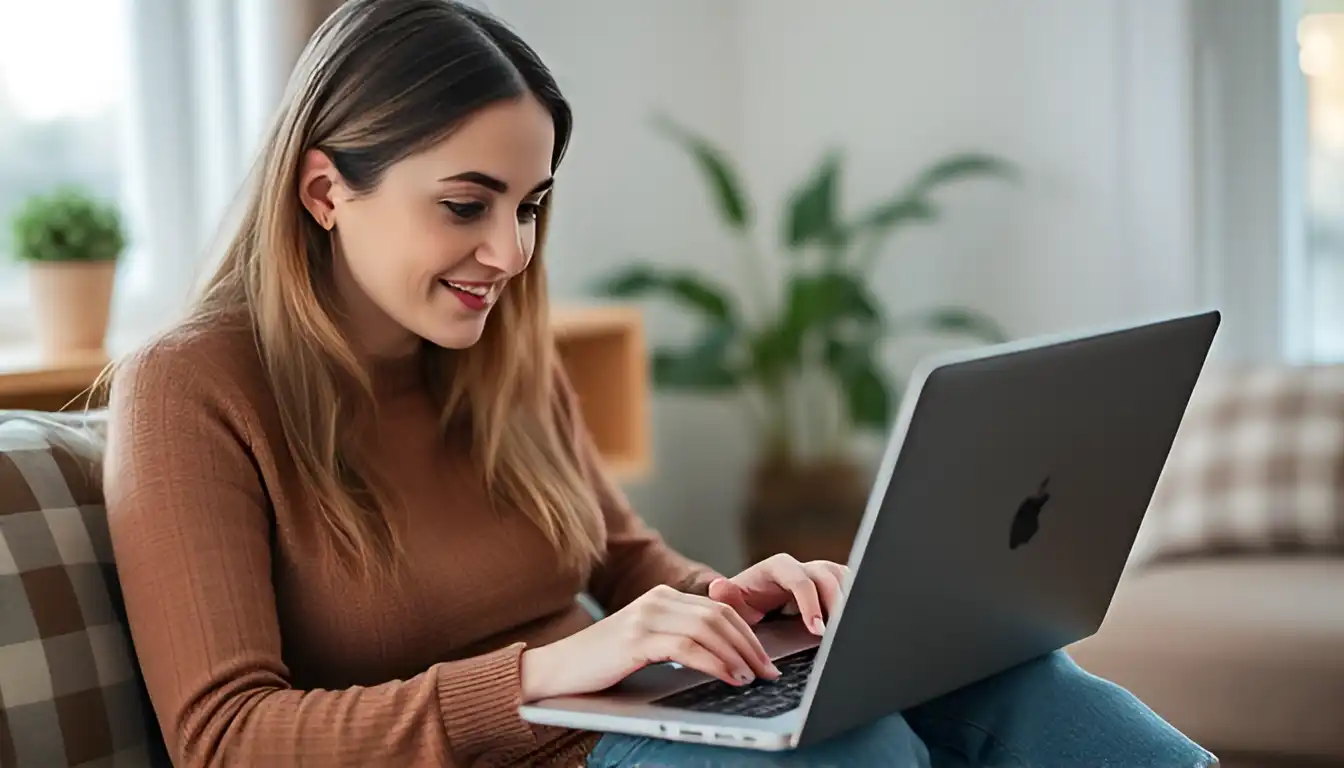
{"points": [[207, 76]]}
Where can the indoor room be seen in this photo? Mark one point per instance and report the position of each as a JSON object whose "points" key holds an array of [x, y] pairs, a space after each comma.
{"points": [[768, 218]]}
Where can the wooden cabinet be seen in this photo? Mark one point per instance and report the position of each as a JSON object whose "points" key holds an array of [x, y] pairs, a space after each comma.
{"points": [[602, 349]]}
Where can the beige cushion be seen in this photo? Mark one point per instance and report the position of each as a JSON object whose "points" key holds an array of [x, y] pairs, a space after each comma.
{"points": [[1242, 654], [70, 690], [1257, 466]]}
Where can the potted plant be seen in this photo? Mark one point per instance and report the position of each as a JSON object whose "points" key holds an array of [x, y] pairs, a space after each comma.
{"points": [[71, 242], [806, 360]]}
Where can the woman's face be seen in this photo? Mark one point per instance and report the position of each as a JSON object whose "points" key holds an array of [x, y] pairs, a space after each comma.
{"points": [[429, 252]]}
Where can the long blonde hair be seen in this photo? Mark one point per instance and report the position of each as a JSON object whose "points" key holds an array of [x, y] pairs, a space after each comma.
{"points": [[380, 80]]}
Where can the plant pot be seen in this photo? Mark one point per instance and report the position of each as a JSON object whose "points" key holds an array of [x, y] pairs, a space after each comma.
{"points": [[72, 302], [810, 510]]}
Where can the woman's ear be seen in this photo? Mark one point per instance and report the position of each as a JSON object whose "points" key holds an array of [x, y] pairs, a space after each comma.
{"points": [[318, 180]]}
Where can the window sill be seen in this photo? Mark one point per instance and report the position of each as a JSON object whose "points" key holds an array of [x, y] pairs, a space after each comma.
{"points": [[31, 380]]}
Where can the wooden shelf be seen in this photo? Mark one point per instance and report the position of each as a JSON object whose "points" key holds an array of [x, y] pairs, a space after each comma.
{"points": [[602, 349]]}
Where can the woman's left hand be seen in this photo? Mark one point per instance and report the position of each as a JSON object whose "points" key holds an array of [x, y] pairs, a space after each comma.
{"points": [[812, 590]]}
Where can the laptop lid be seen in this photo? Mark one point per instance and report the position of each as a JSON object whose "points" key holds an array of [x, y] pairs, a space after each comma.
{"points": [[1004, 510]]}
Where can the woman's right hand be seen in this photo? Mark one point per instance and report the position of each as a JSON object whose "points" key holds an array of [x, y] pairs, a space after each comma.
{"points": [[661, 625]]}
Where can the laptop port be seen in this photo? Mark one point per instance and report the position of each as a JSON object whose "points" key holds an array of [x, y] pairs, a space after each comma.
{"points": [[689, 732]]}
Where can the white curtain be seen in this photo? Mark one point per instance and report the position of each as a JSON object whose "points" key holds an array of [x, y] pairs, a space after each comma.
{"points": [[207, 76]]}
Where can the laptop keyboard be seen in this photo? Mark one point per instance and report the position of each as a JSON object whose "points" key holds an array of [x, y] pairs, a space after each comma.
{"points": [[761, 698]]}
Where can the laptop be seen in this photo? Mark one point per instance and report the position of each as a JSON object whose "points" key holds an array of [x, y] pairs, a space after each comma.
{"points": [[1004, 509]]}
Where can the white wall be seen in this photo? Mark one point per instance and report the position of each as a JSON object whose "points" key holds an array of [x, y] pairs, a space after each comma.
{"points": [[1045, 83], [1089, 97]]}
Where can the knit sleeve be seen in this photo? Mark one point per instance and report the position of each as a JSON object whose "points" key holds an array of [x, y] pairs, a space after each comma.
{"points": [[636, 558], [191, 533]]}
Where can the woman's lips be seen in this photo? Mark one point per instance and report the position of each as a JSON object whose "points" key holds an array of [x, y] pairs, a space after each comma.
{"points": [[474, 296]]}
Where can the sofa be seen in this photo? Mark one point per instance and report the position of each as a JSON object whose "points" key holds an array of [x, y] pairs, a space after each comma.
{"points": [[70, 690], [1229, 619]]}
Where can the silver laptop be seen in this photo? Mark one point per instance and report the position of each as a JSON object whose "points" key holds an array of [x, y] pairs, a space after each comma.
{"points": [[1004, 509]]}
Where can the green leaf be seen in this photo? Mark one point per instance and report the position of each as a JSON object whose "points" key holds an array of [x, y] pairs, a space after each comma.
{"points": [[962, 321], [868, 393], [702, 367], [68, 224], [685, 288], [825, 297], [773, 351], [961, 166], [898, 210], [813, 214], [911, 205], [816, 302], [728, 191]]}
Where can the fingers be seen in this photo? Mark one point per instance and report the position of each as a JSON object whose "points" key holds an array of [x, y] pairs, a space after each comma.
{"points": [[841, 571], [689, 653], [665, 614], [828, 584], [722, 629], [789, 574], [725, 591]]}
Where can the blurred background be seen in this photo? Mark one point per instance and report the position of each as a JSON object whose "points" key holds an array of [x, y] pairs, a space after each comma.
{"points": [[1136, 157], [800, 199]]}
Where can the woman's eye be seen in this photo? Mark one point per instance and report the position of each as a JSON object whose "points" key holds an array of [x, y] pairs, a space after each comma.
{"points": [[529, 211], [463, 211]]}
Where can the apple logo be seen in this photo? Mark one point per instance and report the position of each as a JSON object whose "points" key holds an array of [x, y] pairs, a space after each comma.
{"points": [[1027, 520]]}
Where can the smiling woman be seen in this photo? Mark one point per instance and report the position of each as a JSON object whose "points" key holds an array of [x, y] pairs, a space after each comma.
{"points": [[352, 497]]}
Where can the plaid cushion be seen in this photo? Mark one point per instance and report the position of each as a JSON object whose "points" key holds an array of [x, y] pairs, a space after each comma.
{"points": [[70, 693], [1257, 466]]}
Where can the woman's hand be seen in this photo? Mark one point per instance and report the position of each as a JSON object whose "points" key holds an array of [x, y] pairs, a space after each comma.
{"points": [[812, 590], [661, 625]]}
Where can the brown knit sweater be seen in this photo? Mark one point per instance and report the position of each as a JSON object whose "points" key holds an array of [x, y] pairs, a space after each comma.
{"points": [[256, 652]]}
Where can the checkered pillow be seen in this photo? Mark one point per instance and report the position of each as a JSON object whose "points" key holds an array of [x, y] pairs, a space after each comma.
{"points": [[1258, 466], [70, 693]]}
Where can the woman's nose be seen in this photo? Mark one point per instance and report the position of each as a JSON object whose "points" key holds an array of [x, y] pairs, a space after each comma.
{"points": [[505, 250]]}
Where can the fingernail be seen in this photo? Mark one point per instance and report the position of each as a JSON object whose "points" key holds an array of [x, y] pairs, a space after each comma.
{"points": [[774, 671], [818, 627], [744, 677]]}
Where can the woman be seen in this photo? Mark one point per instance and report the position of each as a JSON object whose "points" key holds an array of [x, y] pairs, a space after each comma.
{"points": [[351, 497]]}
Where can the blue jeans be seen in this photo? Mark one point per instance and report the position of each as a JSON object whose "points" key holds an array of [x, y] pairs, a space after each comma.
{"points": [[1045, 713]]}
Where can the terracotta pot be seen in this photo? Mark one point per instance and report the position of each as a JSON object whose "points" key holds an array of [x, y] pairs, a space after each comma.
{"points": [[72, 301], [810, 510]]}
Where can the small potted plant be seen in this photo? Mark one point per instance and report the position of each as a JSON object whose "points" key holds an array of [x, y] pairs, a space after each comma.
{"points": [[71, 242]]}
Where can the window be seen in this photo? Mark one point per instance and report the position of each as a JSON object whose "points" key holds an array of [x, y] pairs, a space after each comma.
{"points": [[63, 110], [1320, 39]]}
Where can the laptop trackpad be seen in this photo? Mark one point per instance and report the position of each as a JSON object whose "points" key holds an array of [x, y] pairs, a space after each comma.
{"points": [[780, 637], [785, 636]]}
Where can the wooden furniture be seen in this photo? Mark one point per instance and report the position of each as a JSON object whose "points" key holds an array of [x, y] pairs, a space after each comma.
{"points": [[28, 381], [602, 349]]}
